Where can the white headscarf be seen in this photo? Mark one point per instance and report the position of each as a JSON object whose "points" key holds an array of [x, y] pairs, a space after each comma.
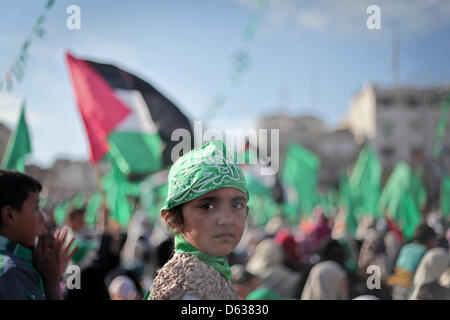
{"points": [[132, 253], [122, 288], [267, 263], [325, 282], [430, 269]]}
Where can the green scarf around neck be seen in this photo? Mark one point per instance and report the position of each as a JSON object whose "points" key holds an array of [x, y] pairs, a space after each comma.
{"points": [[218, 263]]}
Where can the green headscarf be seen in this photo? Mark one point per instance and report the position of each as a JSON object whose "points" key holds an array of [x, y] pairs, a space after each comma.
{"points": [[198, 172]]}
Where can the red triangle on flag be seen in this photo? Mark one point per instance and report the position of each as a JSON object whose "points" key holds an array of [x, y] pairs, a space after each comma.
{"points": [[100, 109]]}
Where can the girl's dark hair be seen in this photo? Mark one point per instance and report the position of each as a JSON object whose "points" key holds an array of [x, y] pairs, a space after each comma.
{"points": [[15, 187]]}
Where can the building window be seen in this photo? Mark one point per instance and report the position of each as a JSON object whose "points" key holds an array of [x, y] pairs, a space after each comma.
{"points": [[386, 130], [387, 152], [412, 101], [435, 99], [415, 125], [385, 101]]}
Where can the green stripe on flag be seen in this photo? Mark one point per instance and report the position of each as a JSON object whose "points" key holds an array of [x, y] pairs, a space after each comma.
{"points": [[135, 152]]}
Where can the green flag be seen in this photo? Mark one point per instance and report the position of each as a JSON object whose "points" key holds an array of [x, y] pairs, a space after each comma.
{"points": [[78, 201], [262, 206], [445, 196], [403, 198], [301, 172], [19, 145], [364, 183], [136, 153], [114, 183], [346, 202], [92, 208], [328, 202], [153, 198], [441, 126], [59, 214]]}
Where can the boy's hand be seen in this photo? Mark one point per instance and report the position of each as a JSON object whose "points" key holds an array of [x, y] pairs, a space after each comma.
{"points": [[45, 258], [63, 250], [51, 256]]}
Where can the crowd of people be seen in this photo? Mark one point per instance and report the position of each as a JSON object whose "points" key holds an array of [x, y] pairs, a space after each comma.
{"points": [[206, 247]]}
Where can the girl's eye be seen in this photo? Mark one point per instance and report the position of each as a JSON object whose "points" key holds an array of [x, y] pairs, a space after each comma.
{"points": [[207, 206], [237, 205]]}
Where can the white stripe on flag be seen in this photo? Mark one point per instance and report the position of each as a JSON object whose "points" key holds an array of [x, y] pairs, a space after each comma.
{"points": [[139, 120]]}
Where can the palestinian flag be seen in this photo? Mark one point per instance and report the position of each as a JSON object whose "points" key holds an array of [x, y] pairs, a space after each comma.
{"points": [[125, 117]]}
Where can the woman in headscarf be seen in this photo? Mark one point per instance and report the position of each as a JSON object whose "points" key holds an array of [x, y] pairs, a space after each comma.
{"points": [[206, 207], [267, 263], [137, 250], [286, 241], [426, 284], [326, 281]]}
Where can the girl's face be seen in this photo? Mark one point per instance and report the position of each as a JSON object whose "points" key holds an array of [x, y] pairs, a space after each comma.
{"points": [[214, 223]]}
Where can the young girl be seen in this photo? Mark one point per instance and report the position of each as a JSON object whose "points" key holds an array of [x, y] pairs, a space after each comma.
{"points": [[206, 207]]}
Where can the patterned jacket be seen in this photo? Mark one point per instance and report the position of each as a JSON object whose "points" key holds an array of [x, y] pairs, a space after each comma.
{"points": [[186, 277]]}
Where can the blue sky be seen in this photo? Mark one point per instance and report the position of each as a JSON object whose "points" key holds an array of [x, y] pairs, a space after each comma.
{"points": [[307, 57]]}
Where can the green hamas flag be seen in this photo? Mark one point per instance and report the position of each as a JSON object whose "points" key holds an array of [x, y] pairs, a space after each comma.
{"points": [[445, 196], [402, 199], [153, 198], [18, 145], [346, 202], [59, 214], [92, 208], [301, 172], [261, 203], [364, 184], [441, 126], [328, 202], [114, 183]]}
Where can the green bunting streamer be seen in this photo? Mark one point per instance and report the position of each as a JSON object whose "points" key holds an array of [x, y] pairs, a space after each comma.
{"points": [[240, 62], [18, 67]]}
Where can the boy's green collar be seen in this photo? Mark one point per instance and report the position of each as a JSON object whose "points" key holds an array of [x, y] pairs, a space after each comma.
{"points": [[7, 245]]}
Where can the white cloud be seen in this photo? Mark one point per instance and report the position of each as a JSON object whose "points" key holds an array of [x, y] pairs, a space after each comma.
{"points": [[10, 108]]}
